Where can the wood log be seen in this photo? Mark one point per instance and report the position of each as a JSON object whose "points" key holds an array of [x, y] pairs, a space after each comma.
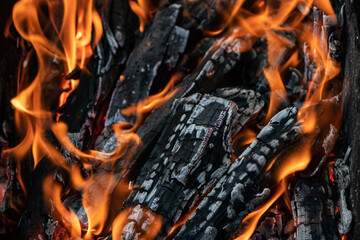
{"points": [[342, 184], [350, 125], [192, 153], [143, 65], [234, 196], [313, 208]]}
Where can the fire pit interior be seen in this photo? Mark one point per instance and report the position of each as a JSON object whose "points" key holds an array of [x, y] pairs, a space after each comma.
{"points": [[192, 119]]}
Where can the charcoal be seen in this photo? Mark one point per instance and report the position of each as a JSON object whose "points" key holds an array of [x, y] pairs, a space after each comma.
{"points": [[234, 196], [209, 234], [350, 125], [119, 11], [142, 66], [309, 208], [323, 141], [14, 200], [192, 153], [342, 183], [178, 40], [201, 14], [107, 31], [36, 216], [192, 59], [335, 47], [219, 60], [86, 106]]}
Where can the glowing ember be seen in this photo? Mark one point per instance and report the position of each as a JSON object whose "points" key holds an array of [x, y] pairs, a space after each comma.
{"points": [[64, 41]]}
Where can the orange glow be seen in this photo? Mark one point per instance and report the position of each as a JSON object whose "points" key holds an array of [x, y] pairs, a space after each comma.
{"points": [[125, 140], [253, 218], [182, 221], [144, 10], [278, 92], [296, 160], [70, 36], [245, 137], [52, 196], [70, 42], [149, 224]]}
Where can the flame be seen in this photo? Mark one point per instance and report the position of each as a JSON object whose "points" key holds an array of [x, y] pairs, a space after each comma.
{"points": [[245, 137], [52, 196], [125, 142], [147, 224], [66, 37], [183, 220], [58, 40], [144, 9], [267, 22], [295, 161], [252, 219], [147, 105]]}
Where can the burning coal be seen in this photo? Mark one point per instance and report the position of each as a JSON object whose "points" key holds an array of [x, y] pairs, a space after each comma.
{"points": [[184, 120]]}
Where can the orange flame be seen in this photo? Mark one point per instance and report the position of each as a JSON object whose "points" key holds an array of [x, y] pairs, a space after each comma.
{"points": [[60, 40], [245, 137], [52, 192], [144, 9], [150, 223], [264, 24], [252, 219], [147, 105]]}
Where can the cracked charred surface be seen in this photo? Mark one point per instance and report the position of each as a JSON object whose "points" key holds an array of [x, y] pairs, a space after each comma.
{"points": [[351, 126], [192, 153], [219, 60], [235, 193], [145, 61], [313, 208]]}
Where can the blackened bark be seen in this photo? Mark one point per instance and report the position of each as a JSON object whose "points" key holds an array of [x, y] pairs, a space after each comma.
{"points": [[351, 126], [143, 65], [192, 153], [313, 208], [235, 195]]}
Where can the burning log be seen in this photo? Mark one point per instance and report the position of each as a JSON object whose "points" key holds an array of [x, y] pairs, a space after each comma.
{"points": [[313, 217], [144, 63], [179, 170], [342, 182], [175, 177], [235, 193]]}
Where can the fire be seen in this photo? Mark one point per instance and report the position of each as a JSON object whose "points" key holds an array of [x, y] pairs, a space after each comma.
{"points": [[63, 41], [52, 191], [144, 9], [68, 41], [130, 218], [252, 219], [245, 137], [147, 105], [268, 22], [63, 38]]}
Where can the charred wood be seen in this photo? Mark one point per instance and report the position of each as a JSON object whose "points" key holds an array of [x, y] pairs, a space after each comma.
{"points": [[143, 64], [86, 106], [342, 183], [313, 209], [236, 192], [218, 62], [185, 163], [350, 125]]}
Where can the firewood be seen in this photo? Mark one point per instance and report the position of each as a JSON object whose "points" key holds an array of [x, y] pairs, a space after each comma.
{"points": [[234, 196], [342, 183], [192, 153], [142, 66], [313, 219]]}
